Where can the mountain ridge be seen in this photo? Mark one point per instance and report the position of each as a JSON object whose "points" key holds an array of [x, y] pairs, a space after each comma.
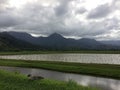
{"points": [[8, 42], [56, 41]]}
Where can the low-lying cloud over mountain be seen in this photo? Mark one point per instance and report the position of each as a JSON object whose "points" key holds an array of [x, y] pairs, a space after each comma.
{"points": [[98, 19]]}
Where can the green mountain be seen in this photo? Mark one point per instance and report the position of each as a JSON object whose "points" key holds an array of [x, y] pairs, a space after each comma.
{"points": [[8, 42], [56, 41], [24, 41]]}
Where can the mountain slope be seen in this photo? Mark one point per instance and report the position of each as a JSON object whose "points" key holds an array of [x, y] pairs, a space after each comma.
{"points": [[57, 42], [8, 42], [112, 42]]}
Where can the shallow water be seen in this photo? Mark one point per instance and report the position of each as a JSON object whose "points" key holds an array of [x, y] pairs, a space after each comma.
{"points": [[81, 58], [102, 83]]}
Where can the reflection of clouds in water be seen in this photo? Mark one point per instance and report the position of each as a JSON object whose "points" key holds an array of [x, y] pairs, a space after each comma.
{"points": [[103, 83], [112, 86], [49, 74], [17, 69], [80, 79]]}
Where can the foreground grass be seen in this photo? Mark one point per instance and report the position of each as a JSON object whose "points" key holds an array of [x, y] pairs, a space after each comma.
{"points": [[103, 70], [53, 52], [15, 81]]}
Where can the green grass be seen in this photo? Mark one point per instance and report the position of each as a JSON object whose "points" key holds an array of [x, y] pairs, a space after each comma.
{"points": [[54, 52], [16, 81], [102, 70]]}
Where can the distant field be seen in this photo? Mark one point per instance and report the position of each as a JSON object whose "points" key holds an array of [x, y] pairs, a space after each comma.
{"points": [[50, 52], [102, 70]]}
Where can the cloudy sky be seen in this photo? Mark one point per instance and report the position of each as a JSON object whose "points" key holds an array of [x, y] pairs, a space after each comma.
{"points": [[99, 19]]}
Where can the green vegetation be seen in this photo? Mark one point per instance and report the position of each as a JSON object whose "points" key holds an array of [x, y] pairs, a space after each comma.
{"points": [[54, 52], [103, 70], [16, 81]]}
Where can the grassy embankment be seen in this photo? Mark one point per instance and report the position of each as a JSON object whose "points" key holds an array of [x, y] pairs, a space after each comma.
{"points": [[54, 52], [103, 70], [16, 81]]}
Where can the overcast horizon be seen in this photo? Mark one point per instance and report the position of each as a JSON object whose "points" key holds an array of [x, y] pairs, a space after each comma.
{"points": [[95, 19]]}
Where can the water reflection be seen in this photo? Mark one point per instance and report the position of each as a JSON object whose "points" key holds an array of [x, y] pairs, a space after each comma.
{"points": [[82, 58], [103, 83]]}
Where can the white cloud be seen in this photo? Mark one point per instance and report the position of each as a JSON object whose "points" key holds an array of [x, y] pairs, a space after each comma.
{"points": [[71, 18]]}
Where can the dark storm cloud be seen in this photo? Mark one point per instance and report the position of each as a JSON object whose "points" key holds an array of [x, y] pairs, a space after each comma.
{"points": [[81, 11], [100, 12], [7, 21], [8, 17], [62, 8]]}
